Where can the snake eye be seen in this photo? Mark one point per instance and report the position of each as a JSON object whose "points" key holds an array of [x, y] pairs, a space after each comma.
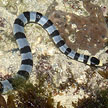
{"points": [[94, 61], [103, 36]]}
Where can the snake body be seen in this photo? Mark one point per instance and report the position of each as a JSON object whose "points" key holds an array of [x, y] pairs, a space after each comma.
{"points": [[25, 51]]}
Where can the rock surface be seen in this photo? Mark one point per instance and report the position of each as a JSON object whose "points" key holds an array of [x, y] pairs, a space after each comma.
{"points": [[83, 27]]}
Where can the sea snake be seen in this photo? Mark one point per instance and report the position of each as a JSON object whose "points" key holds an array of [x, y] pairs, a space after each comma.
{"points": [[25, 51]]}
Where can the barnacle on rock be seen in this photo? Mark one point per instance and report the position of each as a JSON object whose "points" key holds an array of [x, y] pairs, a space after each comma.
{"points": [[12, 8]]}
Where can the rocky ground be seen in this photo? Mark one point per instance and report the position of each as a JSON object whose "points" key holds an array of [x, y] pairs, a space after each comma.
{"points": [[82, 25]]}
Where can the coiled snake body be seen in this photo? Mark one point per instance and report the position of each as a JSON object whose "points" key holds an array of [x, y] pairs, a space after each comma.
{"points": [[26, 55]]}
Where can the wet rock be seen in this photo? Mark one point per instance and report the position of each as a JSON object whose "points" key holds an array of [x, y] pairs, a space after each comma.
{"points": [[82, 32]]}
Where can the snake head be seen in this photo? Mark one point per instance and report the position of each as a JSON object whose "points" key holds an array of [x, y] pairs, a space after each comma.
{"points": [[95, 62]]}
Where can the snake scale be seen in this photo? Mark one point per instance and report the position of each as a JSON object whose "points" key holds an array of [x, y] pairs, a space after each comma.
{"points": [[25, 50]]}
